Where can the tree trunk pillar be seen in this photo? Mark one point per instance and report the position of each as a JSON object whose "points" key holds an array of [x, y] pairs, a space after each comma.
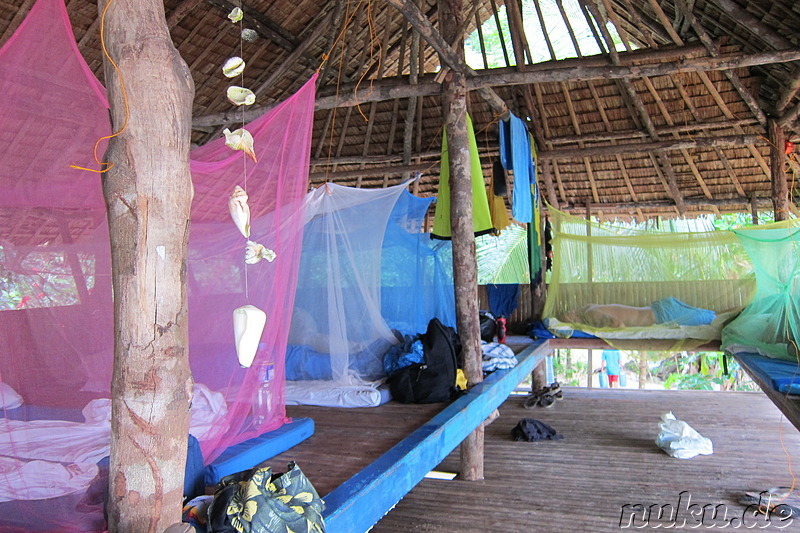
{"points": [[777, 163], [148, 193], [465, 268]]}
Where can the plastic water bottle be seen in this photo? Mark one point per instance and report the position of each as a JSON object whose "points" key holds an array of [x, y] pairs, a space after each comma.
{"points": [[264, 402]]}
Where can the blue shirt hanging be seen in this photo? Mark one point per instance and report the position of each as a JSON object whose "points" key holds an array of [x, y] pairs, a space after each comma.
{"points": [[515, 154]]}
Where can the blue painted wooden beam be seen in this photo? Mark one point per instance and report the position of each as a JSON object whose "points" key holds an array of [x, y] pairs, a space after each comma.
{"points": [[358, 504]]}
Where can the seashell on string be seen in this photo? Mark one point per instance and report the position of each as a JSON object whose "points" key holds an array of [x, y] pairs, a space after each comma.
{"points": [[248, 325], [254, 253], [233, 67], [241, 95], [240, 211], [240, 139], [249, 35], [236, 14]]}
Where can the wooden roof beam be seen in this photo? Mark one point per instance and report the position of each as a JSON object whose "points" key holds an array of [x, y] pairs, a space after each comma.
{"points": [[576, 126], [411, 111], [392, 88], [582, 71], [720, 154], [393, 170], [320, 28], [263, 25], [653, 146], [453, 60], [545, 126], [638, 134], [745, 204], [180, 11], [717, 97], [629, 93], [753, 24], [714, 50], [788, 92], [668, 119]]}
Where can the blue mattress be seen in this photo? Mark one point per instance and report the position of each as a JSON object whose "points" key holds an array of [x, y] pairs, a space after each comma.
{"points": [[249, 453], [784, 376]]}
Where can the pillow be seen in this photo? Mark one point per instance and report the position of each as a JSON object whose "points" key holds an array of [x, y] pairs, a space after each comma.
{"points": [[9, 399]]}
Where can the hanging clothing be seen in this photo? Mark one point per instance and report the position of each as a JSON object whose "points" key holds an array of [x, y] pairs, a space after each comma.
{"points": [[481, 217], [497, 211], [535, 239], [515, 154], [495, 192], [503, 298], [499, 179]]}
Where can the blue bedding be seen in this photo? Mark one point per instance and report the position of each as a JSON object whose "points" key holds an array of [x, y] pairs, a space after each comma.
{"points": [[784, 376], [672, 310], [304, 363], [248, 454]]}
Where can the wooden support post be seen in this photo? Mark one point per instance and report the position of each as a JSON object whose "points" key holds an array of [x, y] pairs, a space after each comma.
{"points": [[754, 208], [413, 78], [465, 268], [539, 377], [642, 369], [777, 163], [589, 251], [148, 191], [589, 368]]}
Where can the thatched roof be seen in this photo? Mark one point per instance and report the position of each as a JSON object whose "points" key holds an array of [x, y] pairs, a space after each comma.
{"points": [[675, 116]]}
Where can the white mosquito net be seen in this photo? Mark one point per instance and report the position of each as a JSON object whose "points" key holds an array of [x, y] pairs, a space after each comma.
{"points": [[365, 269]]}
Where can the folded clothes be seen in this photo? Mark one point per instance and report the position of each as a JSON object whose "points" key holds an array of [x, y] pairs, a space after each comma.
{"points": [[672, 310]]}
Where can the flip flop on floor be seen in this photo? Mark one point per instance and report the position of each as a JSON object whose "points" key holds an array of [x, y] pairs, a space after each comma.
{"points": [[555, 390], [531, 401], [547, 400]]}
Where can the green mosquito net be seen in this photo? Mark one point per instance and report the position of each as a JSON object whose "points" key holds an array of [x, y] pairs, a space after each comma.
{"points": [[619, 282], [771, 323]]}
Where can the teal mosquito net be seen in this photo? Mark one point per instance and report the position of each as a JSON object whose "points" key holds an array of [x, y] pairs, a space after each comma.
{"points": [[771, 323]]}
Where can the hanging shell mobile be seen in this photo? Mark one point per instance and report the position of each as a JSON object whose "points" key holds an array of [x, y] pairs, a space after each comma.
{"points": [[233, 67], [240, 211], [248, 325], [241, 95], [255, 252], [240, 139], [236, 14], [249, 35]]}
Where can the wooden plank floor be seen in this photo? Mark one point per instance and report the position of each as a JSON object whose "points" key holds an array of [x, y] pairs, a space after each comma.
{"points": [[607, 459]]}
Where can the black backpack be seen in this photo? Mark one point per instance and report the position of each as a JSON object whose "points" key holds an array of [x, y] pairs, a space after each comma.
{"points": [[434, 380]]}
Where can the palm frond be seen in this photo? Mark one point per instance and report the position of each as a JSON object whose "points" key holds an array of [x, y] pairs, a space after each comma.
{"points": [[503, 258]]}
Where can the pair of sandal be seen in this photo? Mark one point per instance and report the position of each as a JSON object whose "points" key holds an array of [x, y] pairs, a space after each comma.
{"points": [[544, 397]]}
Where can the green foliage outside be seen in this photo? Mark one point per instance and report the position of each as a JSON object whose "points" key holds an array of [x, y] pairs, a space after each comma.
{"points": [[40, 278], [500, 52], [667, 370], [569, 369], [705, 371]]}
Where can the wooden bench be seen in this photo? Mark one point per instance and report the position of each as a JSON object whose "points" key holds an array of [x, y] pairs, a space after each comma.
{"points": [[365, 498]]}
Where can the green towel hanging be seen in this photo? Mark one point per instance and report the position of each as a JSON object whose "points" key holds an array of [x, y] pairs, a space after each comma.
{"points": [[481, 219]]}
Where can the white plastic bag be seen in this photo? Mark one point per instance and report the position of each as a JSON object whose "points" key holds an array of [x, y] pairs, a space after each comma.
{"points": [[679, 440]]}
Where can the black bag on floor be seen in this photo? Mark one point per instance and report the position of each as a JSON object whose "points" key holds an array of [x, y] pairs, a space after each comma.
{"points": [[488, 326], [434, 380]]}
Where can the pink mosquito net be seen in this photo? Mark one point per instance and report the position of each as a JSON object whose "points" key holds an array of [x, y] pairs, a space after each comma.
{"points": [[56, 313]]}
